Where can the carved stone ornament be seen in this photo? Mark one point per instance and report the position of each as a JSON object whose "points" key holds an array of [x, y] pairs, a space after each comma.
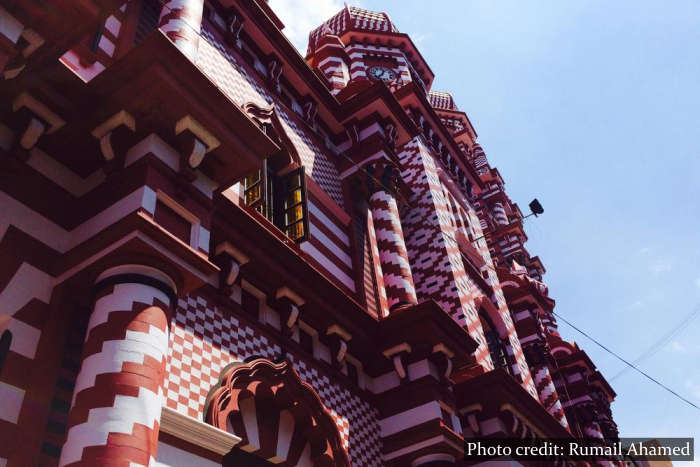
{"points": [[268, 119], [278, 416]]}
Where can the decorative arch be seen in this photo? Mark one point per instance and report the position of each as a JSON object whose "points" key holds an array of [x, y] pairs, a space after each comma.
{"points": [[491, 311], [279, 417]]}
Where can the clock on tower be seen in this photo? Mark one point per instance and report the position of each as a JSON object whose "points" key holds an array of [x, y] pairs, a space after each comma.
{"points": [[382, 73]]}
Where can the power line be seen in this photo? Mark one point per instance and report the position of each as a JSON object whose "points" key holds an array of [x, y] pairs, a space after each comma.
{"points": [[658, 345], [626, 362]]}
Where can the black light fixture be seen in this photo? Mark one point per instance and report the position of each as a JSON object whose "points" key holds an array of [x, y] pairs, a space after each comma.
{"points": [[536, 207], [535, 210]]}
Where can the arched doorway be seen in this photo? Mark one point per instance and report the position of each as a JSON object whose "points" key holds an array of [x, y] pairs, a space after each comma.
{"points": [[280, 418]]}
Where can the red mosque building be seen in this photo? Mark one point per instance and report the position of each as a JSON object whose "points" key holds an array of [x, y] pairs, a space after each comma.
{"points": [[215, 251]]}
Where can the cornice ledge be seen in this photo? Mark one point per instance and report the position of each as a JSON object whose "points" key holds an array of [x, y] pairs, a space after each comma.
{"points": [[197, 432]]}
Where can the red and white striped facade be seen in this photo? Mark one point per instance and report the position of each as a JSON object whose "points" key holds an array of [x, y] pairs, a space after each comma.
{"points": [[118, 393], [150, 317]]}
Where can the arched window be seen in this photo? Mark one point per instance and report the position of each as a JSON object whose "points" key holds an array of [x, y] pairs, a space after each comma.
{"points": [[277, 190], [5, 342], [497, 349]]}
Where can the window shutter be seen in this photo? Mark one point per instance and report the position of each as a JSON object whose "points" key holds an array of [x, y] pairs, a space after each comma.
{"points": [[255, 190], [294, 217]]}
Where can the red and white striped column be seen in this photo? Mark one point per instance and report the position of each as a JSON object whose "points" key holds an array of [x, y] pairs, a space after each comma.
{"points": [[181, 21], [548, 393], [398, 280], [115, 414], [499, 214]]}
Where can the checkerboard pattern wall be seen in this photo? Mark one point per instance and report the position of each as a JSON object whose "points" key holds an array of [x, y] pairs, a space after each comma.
{"points": [[438, 269], [218, 62], [204, 339]]}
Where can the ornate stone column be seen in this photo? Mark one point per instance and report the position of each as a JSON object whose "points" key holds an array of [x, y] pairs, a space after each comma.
{"points": [[393, 256], [115, 413], [181, 20], [499, 214], [547, 393]]}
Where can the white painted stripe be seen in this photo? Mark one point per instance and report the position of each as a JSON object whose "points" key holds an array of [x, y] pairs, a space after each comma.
{"points": [[10, 26], [62, 175], [11, 398], [417, 446], [328, 243], [327, 264], [332, 226], [83, 72], [127, 411], [113, 25], [170, 456], [26, 284], [53, 235], [203, 239], [107, 45], [152, 144], [410, 418], [125, 206], [568, 403], [115, 353], [384, 382], [25, 338]]}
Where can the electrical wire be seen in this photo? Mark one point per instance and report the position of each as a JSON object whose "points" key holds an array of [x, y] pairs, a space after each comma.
{"points": [[655, 347], [658, 345], [626, 362]]}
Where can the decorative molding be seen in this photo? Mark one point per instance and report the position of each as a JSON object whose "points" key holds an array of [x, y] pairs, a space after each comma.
{"points": [[226, 247], [290, 294], [197, 432], [269, 120], [443, 349], [403, 347], [120, 118], [197, 129], [39, 109], [336, 329]]}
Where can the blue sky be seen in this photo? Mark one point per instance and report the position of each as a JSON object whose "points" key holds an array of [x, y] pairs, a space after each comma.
{"points": [[594, 108]]}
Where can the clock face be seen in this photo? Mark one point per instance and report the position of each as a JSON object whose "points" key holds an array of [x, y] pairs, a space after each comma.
{"points": [[379, 72]]}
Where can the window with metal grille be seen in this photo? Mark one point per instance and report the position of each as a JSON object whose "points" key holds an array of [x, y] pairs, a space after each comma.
{"points": [[148, 19], [281, 199]]}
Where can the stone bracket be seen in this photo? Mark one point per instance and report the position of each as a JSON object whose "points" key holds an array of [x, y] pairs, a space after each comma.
{"points": [[395, 354], [230, 260], [288, 305], [194, 142], [34, 119], [443, 358], [114, 137], [339, 339]]}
